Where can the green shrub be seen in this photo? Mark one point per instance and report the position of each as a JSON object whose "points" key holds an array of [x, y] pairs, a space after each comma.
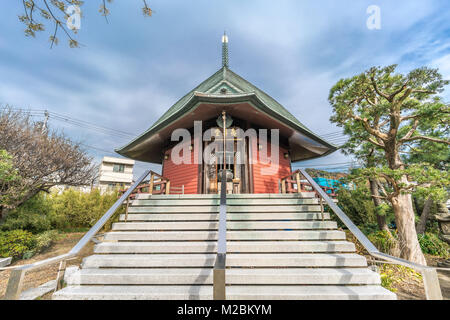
{"points": [[69, 210], [357, 204], [431, 244], [23, 244], [75, 209], [359, 207], [32, 216], [45, 240], [383, 241], [16, 243], [369, 228]]}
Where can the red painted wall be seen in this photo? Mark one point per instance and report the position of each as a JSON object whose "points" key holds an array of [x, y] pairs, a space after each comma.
{"points": [[183, 174], [267, 181], [263, 181]]}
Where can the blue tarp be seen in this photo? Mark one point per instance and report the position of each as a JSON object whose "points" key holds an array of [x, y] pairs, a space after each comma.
{"points": [[332, 183]]}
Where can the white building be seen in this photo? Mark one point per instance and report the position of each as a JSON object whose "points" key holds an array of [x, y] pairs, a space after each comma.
{"points": [[115, 172]]}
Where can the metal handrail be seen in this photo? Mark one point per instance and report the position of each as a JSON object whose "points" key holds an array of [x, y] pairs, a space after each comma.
{"points": [[219, 282], [16, 278], [429, 274]]}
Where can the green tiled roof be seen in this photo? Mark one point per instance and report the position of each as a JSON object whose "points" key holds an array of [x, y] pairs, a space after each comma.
{"points": [[224, 78]]}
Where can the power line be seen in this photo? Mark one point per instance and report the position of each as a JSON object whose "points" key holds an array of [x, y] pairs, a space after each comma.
{"points": [[87, 125], [326, 134], [96, 148], [77, 122]]}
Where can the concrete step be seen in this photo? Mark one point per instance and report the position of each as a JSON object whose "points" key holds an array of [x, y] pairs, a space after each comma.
{"points": [[297, 276], [269, 208], [204, 292], [145, 196], [231, 235], [216, 202], [272, 195], [177, 209], [322, 292], [230, 216], [233, 260], [212, 209], [270, 202], [232, 247], [186, 292], [232, 225]]}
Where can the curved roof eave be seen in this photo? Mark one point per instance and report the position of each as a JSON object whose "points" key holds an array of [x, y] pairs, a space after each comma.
{"points": [[197, 97]]}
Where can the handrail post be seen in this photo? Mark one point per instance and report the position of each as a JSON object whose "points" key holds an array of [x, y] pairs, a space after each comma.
{"points": [[321, 207], [15, 284], [126, 210], [219, 279], [431, 284], [60, 275]]}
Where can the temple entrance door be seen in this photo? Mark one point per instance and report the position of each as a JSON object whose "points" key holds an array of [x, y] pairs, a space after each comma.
{"points": [[236, 167]]}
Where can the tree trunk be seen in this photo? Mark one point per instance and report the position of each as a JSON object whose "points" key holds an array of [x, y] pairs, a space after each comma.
{"points": [[416, 205], [377, 202], [403, 210], [421, 226], [405, 219]]}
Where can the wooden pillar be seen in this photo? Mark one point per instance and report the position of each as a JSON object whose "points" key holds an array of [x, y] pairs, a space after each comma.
{"points": [[283, 186], [297, 177], [150, 189], [168, 187]]}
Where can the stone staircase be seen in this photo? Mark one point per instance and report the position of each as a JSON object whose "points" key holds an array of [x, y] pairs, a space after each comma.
{"points": [[278, 247]]}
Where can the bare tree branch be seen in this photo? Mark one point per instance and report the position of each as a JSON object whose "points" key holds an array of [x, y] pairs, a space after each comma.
{"points": [[42, 158]]}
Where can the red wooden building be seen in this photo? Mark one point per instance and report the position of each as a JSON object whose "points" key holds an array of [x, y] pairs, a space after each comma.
{"points": [[246, 107]]}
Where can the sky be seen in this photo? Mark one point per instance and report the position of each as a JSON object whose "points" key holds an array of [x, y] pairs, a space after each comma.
{"points": [[131, 69]]}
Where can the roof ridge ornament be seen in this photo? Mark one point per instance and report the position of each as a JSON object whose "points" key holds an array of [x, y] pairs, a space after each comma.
{"points": [[225, 60]]}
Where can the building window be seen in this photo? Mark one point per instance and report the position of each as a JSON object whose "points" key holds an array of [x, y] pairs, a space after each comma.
{"points": [[119, 168]]}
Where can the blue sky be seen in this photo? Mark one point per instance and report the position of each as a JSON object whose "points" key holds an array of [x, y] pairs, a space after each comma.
{"points": [[132, 69]]}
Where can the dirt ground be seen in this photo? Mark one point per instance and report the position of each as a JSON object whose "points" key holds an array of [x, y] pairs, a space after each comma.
{"points": [[409, 288], [40, 276], [413, 290]]}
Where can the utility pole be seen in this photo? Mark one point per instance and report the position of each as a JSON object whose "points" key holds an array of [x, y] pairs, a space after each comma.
{"points": [[44, 124]]}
